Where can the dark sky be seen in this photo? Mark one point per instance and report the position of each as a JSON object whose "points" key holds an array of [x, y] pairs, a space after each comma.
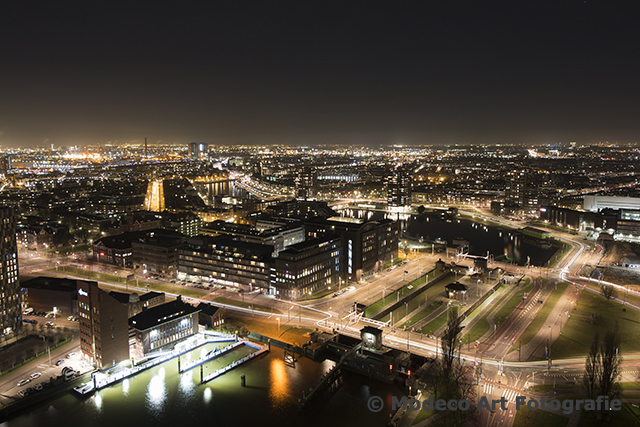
{"points": [[307, 72]]}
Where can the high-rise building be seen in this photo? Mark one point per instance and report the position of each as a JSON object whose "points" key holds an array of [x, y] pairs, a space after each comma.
{"points": [[104, 328], [399, 187], [306, 182], [198, 150], [515, 190], [10, 312]]}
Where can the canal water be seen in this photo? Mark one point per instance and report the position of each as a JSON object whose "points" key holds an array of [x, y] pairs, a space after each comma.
{"points": [[502, 244], [162, 397], [227, 188]]}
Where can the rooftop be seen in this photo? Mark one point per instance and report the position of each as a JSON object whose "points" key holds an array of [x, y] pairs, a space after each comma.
{"points": [[160, 314]]}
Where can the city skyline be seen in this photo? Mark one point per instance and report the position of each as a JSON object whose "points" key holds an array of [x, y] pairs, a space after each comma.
{"points": [[304, 74]]}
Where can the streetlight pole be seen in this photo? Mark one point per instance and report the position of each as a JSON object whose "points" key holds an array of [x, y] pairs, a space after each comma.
{"points": [[278, 319]]}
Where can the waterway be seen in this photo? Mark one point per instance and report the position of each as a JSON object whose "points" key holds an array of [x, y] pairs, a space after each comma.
{"points": [[227, 188], [162, 397], [502, 244]]}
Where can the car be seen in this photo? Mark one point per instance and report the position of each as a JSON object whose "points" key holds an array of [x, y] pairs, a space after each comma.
{"points": [[26, 320], [335, 295], [49, 324], [72, 354], [70, 318], [23, 393], [34, 322], [35, 375], [59, 362], [24, 382], [38, 387]]}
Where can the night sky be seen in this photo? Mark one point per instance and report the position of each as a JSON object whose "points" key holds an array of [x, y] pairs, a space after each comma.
{"points": [[320, 72]]}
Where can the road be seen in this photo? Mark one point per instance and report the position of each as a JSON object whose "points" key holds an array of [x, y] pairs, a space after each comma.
{"points": [[500, 378]]}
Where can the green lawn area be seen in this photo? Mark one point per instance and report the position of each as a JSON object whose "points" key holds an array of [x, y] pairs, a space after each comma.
{"points": [[628, 416], [152, 286], [436, 323], [423, 415], [622, 295], [422, 314], [539, 320], [247, 304], [526, 418], [482, 325], [513, 302], [393, 296], [319, 294], [390, 263], [580, 328]]}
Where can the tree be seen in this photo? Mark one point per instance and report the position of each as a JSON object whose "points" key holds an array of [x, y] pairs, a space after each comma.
{"points": [[447, 377], [602, 367], [608, 291], [592, 369], [610, 361]]}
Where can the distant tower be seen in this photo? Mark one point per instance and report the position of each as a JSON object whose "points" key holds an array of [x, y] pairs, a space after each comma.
{"points": [[198, 150], [145, 148], [306, 182], [10, 312], [515, 191], [399, 187], [154, 200]]}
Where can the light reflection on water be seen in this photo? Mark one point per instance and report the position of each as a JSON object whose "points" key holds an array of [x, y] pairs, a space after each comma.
{"points": [[97, 401], [280, 389], [156, 393], [162, 397], [206, 396]]}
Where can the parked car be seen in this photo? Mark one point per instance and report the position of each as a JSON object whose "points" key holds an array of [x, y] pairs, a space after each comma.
{"points": [[24, 382], [23, 393], [59, 362], [35, 375], [34, 322], [72, 354]]}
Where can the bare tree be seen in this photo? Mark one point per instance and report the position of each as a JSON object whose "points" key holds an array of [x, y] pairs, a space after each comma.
{"points": [[447, 377], [592, 369], [610, 360], [608, 291]]}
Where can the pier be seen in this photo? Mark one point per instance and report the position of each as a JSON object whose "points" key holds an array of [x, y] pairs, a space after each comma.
{"points": [[215, 374], [106, 378]]}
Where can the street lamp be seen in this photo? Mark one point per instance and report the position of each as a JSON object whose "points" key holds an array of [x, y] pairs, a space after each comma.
{"points": [[278, 319]]}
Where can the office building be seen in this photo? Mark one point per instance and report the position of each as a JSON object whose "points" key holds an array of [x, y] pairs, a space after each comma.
{"points": [[10, 303], [596, 203], [161, 327], [280, 237], [156, 253], [137, 303], [225, 261], [308, 268], [51, 294], [366, 245], [104, 331]]}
